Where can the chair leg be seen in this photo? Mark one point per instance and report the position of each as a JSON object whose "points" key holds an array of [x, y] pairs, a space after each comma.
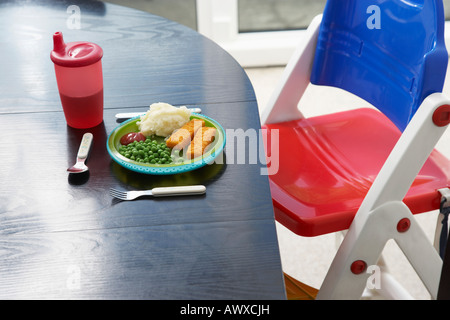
{"points": [[441, 224], [362, 247], [391, 289], [422, 256]]}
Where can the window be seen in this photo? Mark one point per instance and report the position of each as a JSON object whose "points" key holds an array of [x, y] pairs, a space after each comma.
{"points": [[263, 32], [276, 15], [255, 32], [181, 11]]}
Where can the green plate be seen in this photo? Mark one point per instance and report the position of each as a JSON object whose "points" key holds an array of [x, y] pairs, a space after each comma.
{"points": [[213, 150]]}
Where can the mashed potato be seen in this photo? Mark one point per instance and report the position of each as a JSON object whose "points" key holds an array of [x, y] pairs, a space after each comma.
{"points": [[162, 119]]}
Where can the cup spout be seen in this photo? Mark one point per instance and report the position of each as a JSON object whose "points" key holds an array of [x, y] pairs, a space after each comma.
{"points": [[58, 42]]}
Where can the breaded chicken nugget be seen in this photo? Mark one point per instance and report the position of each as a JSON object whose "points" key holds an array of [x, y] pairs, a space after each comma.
{"points": [[203, 137], [183, 136]]}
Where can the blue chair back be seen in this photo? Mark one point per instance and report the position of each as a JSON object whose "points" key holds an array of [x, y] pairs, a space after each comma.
{"points": [[391, 53]]}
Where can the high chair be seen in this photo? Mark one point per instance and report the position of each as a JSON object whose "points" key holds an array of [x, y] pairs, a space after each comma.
{"points": [[369, 170]]}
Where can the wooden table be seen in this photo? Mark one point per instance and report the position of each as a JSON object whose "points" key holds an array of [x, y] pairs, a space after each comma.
{"points": [[63, 236]]}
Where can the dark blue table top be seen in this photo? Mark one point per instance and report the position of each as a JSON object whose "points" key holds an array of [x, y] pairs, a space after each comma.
{"points": [[64, 237]]}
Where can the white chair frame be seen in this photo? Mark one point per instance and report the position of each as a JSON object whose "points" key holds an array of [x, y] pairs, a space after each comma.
{"points": [[382, 209]]}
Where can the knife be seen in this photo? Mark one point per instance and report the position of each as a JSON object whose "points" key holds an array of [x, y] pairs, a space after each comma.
{"points": [[128, 115]]}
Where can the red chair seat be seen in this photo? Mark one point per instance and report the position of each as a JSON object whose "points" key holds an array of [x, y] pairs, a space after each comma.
{"points": [[328, 163]]}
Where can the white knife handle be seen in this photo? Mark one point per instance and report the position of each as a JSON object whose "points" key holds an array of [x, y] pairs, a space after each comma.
{"points": [[178, 191], [85, 145], [128, 115]]}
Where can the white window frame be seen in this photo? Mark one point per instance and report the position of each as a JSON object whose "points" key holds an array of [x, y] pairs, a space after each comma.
{"points": [[447, 35], [218, 20]]}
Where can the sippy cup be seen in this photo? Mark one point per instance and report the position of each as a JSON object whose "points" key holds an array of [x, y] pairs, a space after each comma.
{"points": [[78, 69]]}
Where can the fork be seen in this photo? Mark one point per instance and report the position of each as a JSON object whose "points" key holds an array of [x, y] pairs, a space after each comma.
{"points": [[158, 192]]}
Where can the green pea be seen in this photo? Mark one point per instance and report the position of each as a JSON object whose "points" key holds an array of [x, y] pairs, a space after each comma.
{"points": [[149, 151]]}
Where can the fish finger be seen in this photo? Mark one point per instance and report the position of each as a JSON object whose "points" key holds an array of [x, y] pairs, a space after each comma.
{"points": [[202, 139], [183, 136]]}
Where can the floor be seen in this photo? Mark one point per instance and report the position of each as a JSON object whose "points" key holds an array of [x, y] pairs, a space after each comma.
{"points": [[307, 259]]}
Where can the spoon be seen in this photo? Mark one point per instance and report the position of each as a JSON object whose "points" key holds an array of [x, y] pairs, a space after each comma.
{"points": [[82, 154]]}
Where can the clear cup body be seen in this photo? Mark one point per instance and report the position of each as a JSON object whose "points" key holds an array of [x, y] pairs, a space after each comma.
{"points": [[81, 93]]}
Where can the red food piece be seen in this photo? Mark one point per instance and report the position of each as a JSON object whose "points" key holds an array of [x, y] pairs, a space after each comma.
{"points": [[130, 137]]}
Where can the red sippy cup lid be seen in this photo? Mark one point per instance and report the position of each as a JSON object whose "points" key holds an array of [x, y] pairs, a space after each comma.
{"points": [[74, 54]]}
